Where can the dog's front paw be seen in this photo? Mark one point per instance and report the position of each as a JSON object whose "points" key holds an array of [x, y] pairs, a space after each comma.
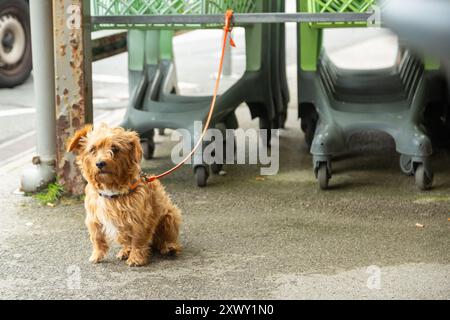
{"points": [[171, 249], [123, 254], [137, 259], [97, 257]]}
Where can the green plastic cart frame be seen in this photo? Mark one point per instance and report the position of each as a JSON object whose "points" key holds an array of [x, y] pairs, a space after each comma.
{"points": [[154, 103], [335, 103]]}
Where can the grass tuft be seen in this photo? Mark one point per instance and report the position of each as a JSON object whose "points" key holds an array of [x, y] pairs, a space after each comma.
{"points": [[51, 195]]}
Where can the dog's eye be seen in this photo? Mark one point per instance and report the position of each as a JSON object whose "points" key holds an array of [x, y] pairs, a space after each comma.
{"points": [[92, 149], [114, 149]]}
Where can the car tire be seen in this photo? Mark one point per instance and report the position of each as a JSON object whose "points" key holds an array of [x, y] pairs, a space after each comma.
{"points": [[15, 43]]}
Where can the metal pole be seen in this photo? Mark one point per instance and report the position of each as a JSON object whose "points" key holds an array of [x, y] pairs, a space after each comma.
{"points": [[238, 18], [73, 74], [43, 171]]}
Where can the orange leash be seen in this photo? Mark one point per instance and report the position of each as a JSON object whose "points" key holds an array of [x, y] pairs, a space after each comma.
{"points": [[226, 30]]}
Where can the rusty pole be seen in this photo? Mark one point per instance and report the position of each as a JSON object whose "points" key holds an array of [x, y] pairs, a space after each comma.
{"points": [[73, 79]]}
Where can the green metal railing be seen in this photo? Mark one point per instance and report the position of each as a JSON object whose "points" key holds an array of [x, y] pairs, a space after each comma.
{"points": [[339, 6], [109, 8], [138, 7], [195, 14]]}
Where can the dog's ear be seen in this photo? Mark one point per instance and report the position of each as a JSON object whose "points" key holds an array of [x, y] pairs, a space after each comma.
{"points": [[75, 143], [135, 141]]}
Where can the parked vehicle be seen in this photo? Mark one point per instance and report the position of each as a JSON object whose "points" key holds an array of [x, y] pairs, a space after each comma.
{"points": [[15, 42]]}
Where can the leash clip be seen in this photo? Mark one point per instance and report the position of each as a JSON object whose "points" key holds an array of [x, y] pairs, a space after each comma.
{"points": [[229, 26]]}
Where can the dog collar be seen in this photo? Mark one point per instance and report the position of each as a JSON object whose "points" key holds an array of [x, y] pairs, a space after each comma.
{"points": [[110, 195]]}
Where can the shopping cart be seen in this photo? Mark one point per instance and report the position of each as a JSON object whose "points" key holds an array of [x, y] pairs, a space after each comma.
{"points": [[335, 103], [154, 99]]}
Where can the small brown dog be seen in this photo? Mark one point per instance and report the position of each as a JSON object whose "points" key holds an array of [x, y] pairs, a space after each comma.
{"points": [[119, 205]]}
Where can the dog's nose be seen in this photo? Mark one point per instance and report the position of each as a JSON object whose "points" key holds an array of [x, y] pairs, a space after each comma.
{"points": [[101, 164]]}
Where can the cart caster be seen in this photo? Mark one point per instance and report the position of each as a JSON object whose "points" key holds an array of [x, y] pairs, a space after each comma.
{"points": [[308, 121], [323, 175], [423, 180], [148, 148], [308, 126], [266, 124], [201, 176], [216, 168], [283, 118], [406, 164], [148, 144]]}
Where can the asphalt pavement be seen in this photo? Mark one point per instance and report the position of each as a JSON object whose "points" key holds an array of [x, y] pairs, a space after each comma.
{"points": [[17, 110]]}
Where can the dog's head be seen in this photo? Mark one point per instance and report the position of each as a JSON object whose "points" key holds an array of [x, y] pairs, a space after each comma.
{"points": [[109, 158]]}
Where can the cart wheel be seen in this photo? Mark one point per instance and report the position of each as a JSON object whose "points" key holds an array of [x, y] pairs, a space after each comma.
{"points": [[423, 181], [406, 164], [201, 175], [266, 124], [283, 118], [323, 176], [216, 168], [148, 148], [161, 131], [308, 126]]}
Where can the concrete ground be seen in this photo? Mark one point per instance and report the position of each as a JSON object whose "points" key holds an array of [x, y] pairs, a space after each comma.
{"points": [[243, 237], [279, 237]]}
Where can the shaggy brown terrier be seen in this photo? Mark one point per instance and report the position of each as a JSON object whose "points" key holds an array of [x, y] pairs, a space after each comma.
{"points": [[119, 205]]}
